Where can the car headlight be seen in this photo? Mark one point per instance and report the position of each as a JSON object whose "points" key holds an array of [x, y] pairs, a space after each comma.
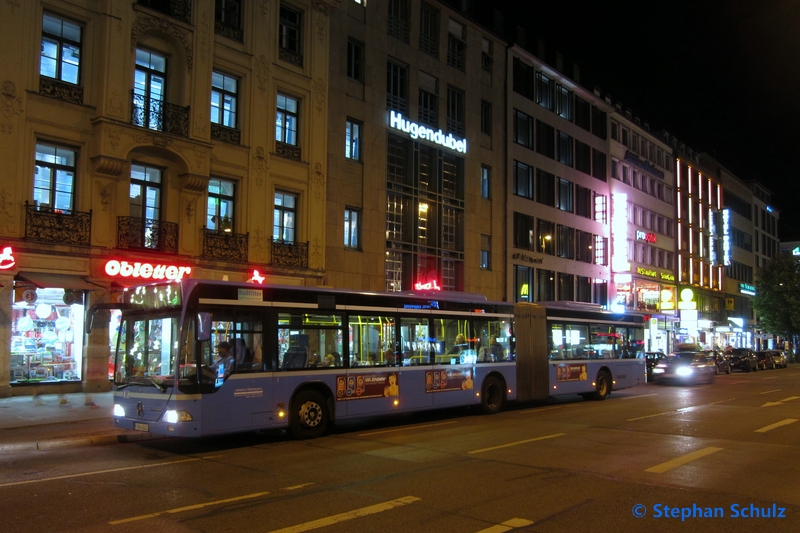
{"points": [[119, 410], [172, 416], [658, 370], [684, 371]]}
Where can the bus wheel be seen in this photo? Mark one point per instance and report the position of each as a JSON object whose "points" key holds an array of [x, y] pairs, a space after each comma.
{"points": [[492, 396], [309, 415], [602, 387]]}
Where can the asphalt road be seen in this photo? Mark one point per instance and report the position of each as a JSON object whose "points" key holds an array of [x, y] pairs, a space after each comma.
{"points": [[725, 451]]}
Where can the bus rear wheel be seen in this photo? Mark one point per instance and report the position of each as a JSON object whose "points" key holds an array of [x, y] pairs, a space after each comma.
{"points": [[492, 395], [309, 415], [602, 387]]}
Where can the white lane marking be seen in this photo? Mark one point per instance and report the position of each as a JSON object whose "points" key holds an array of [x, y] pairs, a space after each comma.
{"points": [[776, 425], [769, 391], [540, 409], [107, 471], [682, 460], [517, 443], [780, 402], [188, 508], [681, 410], [508, 525], [404, 429], [295, 487], [349, 515], [639, 396]]}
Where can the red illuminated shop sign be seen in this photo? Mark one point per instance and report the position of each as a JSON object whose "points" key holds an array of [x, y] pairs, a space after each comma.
{"points": [[7, 258], [124, 269], [430, 286]]}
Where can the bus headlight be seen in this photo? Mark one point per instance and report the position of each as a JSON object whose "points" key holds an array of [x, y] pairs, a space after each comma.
{"points": [[172, 416], [119, 410]]}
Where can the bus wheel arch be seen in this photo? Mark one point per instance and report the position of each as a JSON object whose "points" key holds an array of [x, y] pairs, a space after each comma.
{"points": [[311, 412], [603, 386], [493, 393]]}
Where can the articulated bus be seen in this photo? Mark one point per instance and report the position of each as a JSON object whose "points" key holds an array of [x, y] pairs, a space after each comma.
{"points": [[197, 358]]}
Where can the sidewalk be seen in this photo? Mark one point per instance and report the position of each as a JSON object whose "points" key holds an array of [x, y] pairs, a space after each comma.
{"points": [[30, 423]]}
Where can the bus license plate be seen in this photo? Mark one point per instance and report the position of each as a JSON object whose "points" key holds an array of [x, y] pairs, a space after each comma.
{"points": [[141, 427]]}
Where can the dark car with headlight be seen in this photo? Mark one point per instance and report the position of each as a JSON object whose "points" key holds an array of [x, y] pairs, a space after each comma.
{"points": [[744, 359], [721, 361], [685, 367], [765, 360], [651, 360]]}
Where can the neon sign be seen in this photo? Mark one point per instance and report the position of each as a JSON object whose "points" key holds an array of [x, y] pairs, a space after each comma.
{"points": [[125, 269], [726, 237], [619, 233], [7, 259], [256, 278], [415, 131], [430, 286], [646, 237]]}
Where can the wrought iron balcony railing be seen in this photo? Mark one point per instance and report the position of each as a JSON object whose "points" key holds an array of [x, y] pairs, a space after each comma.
{"points": [[60, 90], [178, 9], [290, 254], [228, 135], [225, 246], [226, 30], [57, 225], [147, 234], [159, 115]]}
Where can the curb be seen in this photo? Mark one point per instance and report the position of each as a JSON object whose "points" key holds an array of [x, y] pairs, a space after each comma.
{"points": [[76, 442]]}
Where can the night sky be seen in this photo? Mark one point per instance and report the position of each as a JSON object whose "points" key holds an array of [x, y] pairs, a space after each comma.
{"points": [[721, 76]]}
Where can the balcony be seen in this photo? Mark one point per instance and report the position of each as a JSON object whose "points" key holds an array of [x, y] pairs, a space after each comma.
{"points": [[287, 150], [290, 254], [58, 226], [134, 233], [177, 9], [225, 246], [227, 135], [60, 90], [227, 30], [158, 115]]}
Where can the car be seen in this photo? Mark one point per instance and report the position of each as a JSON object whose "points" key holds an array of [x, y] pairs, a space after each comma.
{"points": [[781, 361], [765, 360], [651, 360], [685, 367], [743, 359], [721, 361]]}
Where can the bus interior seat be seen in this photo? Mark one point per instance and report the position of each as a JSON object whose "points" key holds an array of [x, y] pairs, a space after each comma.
{"points": [[243, 354], [295, 359]]}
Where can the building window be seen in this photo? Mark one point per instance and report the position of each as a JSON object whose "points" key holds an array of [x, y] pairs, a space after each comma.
{"points": [[583, 288], [601, 250], [545, 237], [398, 19], [219, 213], [54, 181], [545, 188], [523, 232], [583, 157], [286, 120], [290, 36], [486, 182], [523, 288], [394, 271], [352, 228], [545, 139], [428, 100], [486, 117], [600, 123], [145, 198], [227, 16], [429, 30], [455, 111], [583, 112], [599, 164], [223, 99], [523, 78], [545, 285], [583, 201], [456, 47], [523, 180], [352, 149], [397, 87], [487, 58], [486, 252], [544, 91], [564, 102], [564, 149], [565, 242], [149, 88], [566, 287], [564, 200], [284, 217], [355, 60], [61, 49], [523, 129]]}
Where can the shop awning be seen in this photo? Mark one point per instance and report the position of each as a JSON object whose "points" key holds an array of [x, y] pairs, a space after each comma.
{"points": [[57, 281]]}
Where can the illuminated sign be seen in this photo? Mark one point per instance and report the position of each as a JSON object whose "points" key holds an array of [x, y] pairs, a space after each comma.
{"points": [[7, 259], [623, 278], [528, 258], [667, 303], [645, 165], [523, 290], [256, 278], [746, 288], [644, 236], [726, 237], [796, 251], [687, 300], [125, 269], [619, 233], [667, 277], [430, 286], [646, 272], [415, 131]]}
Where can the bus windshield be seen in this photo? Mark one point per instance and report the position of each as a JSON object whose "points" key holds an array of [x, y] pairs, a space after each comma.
{"points": [[146, 350]]}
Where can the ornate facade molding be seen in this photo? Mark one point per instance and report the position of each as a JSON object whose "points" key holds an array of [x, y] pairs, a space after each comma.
{"points": [[194, 182], [320, 94], [111, 167], [144, 23], [263, 74]]}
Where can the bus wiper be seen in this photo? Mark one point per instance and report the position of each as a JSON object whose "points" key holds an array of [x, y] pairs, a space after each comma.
{"points": [[158, 385]]}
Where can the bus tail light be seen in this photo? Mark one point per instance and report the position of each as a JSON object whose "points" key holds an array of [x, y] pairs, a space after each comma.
{"points": [[172, 416], [119, 410]]}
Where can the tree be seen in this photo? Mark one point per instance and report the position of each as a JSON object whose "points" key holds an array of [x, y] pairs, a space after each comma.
{"points": [[777, 299]]}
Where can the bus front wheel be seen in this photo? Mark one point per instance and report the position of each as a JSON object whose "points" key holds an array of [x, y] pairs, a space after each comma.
{"points": [[602, 387], [492, 397], [309, 415]]}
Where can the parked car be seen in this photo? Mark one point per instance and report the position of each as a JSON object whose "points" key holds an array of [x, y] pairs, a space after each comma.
{"points": [[651, 360], [721, 361], [744, 359], [685, 367], [781, 361], [765, 360]]}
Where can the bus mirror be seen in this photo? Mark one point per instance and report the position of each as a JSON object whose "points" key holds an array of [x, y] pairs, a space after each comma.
{"points": [[203, 326]]}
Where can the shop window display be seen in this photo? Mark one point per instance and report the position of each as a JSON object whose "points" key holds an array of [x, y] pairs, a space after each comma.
{"points": [[47, 335]]}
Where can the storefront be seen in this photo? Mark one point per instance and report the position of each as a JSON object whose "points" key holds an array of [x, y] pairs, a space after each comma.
{"points": [[646, 293]]}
